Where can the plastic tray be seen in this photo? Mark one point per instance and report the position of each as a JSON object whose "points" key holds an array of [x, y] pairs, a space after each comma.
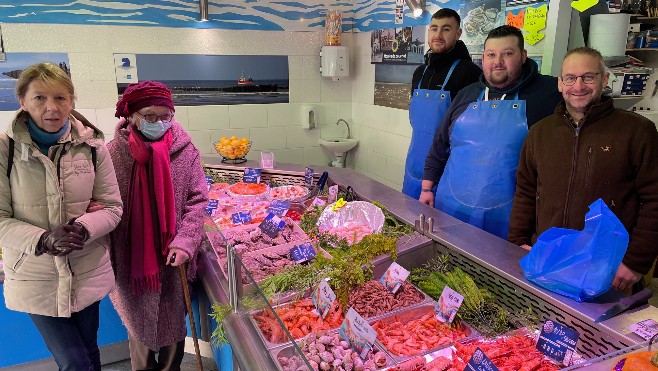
{"points": [[269, 344], [289, 351], [261, 196], [296, 199], [427, 300], [414, 313], [248, 286], [248, 227]]}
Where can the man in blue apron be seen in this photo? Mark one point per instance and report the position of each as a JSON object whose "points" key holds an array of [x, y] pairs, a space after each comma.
{"points": [[448, 68], [476, 150]]}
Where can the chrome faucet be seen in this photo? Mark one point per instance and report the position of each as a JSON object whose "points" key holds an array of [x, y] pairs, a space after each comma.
{"points": [[349, 133]]}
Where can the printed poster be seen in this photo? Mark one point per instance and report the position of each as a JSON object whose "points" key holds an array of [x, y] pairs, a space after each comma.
{"points": [[398, 45], [479, 17]]}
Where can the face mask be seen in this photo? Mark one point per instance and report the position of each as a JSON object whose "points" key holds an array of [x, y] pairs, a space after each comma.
{"points": [[154, 130]]}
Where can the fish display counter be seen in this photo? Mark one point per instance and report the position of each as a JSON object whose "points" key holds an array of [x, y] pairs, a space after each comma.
{"points": [[264, 320]]}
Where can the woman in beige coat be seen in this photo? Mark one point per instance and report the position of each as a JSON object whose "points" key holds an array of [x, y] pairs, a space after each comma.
{"points": [[53, 162]]}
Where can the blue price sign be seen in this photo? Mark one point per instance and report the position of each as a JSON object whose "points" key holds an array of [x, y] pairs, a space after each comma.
{"points": [[278, 207], [308, 176], [272, 225], [557, 341], [211, 208], [302, 252], [208, 181], [251, 175], [480, 362], [241, 217]]}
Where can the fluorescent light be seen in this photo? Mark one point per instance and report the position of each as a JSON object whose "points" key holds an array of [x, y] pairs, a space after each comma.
{"points": [[415, 7]]}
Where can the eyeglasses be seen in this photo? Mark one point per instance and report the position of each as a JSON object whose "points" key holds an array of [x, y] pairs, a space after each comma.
{"points": [[152, 118], [588, 78]]}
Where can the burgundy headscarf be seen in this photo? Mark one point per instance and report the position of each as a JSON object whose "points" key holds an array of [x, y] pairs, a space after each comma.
{"points": [[148, 233], [143, 94]]}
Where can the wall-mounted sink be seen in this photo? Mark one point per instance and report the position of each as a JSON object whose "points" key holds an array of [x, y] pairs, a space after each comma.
{"points": [[338, 145]]}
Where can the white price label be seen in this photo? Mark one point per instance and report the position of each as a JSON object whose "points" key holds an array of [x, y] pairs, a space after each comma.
{"points": [[394, 277], [448, 305], [646, 329]]}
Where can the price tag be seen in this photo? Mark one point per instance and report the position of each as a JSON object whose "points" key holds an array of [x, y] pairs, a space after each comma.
{"points": [[323, 298], [308, 176], [448, 305], [251, 175], [557, 341], [241, 217], [212, 206], [272, 225], [302, 253], [278, 207], [318, 202], [646, 329], [333, 193], [356, 331], [480, 362], [208, 181], [394, 276]]}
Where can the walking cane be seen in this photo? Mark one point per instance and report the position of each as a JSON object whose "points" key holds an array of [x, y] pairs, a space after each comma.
{"points": [[188, 305]]}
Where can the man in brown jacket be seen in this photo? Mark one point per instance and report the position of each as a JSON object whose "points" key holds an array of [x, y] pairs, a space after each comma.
{"points": [[588, 150]]}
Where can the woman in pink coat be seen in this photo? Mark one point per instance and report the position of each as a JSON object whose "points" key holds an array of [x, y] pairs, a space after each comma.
{"points": [[163, 188]]}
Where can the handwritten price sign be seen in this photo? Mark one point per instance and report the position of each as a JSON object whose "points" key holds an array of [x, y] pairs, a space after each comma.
{"points": [[515, 20], [533, 22], [582, 5]]}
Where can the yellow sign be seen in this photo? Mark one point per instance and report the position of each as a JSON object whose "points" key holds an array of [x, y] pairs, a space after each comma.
{"points": [[582, 5], [533, 22], [338, 204], [515, 20]]}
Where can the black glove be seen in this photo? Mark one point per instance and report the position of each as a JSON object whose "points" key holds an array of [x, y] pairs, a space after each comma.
{"points": [[60, 241]]}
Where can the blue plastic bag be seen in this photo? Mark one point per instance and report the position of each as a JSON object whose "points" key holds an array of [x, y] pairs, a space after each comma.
{"points": [[579, 264]]}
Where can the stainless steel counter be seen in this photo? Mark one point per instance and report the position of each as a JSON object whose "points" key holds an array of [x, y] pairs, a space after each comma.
{"points": [[493, 262]]}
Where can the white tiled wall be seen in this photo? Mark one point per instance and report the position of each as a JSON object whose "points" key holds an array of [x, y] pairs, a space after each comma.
{"points": [[272, 127], [384, 133]]}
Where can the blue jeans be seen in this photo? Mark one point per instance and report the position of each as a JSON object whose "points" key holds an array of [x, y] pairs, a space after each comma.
{"points": [[72, 341]]}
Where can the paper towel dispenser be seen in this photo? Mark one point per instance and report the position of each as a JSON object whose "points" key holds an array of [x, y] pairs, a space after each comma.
{"points": [[334, 62]]}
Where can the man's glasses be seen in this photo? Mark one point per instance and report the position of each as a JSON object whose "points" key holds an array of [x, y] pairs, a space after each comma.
{"points": [[152, 118], [588, 78]]}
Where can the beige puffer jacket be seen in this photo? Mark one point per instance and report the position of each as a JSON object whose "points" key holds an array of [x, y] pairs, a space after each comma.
{"points": [[41, 194]]}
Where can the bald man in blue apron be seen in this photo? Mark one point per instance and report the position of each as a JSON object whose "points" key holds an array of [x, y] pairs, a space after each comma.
{"points": [[448, 68], [476, 150]]}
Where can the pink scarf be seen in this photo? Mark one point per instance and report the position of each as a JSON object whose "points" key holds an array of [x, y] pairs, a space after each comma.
{"points": [[152, 227]]}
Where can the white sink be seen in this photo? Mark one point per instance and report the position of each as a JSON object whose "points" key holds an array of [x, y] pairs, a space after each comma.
{"points": [[338, 145]]}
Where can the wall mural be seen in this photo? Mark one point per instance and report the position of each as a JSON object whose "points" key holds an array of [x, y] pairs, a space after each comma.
{"points": [[197, 80], [12, 67], [269, 15]]}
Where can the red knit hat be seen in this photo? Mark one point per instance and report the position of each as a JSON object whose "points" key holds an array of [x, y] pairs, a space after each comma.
{"points": [[143, 94]]}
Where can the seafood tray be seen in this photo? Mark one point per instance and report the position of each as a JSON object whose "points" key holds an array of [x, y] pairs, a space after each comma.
{"points": [[289, 351], [269, 344], [416, 313], [427, 300], [253, 257], [290, 193], [230, 233]]}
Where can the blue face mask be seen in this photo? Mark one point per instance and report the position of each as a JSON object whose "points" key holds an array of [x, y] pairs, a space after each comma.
{"points": [[154, 130]]}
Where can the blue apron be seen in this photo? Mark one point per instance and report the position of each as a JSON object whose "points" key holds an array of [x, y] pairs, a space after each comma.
{"points": [[479, 180], [426, 111]]}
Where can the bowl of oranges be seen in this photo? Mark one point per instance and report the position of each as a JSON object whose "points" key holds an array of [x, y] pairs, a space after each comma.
{"points": [[232, 149]]}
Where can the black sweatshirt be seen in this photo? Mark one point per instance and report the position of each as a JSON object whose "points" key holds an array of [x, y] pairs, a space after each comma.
{"points": [[539, 91], [439, 64]]}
